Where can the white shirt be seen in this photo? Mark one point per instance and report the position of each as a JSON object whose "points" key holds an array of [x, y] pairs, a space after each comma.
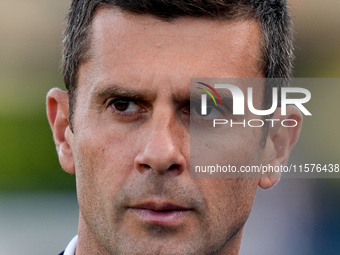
{"points": [[71, 247]]}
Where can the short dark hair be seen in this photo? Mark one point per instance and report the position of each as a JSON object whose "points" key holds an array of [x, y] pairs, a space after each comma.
{"points": [[273, 17]]}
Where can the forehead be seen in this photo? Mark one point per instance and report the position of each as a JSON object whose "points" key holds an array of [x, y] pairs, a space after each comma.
{"points": [[141, 50]]}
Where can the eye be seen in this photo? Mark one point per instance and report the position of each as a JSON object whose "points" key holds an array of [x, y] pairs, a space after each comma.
{"points": [[125, 105], [212, 111]]}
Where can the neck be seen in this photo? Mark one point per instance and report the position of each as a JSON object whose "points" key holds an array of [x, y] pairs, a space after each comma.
{"points": [[87, 243]]}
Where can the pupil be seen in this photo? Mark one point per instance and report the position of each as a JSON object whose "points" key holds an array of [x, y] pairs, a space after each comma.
{"points": [[121, 105]]}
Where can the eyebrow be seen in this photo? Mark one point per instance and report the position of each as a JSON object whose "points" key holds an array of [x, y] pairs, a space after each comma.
{"points": [[107, 91], [118, 90], [226, 97]]}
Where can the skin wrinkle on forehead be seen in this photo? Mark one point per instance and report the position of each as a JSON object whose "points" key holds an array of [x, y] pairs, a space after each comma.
{"points": [[238, 25]]}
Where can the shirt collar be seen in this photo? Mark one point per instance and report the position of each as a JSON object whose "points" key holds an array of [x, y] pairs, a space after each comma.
{"points": [[71, 247]]}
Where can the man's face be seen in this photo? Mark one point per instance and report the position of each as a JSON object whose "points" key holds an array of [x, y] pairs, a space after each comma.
{"points": [[130, 143]]}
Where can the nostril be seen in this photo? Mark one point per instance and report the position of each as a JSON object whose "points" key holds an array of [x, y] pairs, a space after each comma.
{"points": [[173, 167], [145, 167]]}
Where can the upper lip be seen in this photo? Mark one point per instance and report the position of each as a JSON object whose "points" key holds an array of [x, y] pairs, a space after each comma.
{"points": [[159, 207]]}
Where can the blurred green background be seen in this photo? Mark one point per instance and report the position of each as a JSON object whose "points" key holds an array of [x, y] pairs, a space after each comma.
{"points": [[30, 48], [30, 42]]}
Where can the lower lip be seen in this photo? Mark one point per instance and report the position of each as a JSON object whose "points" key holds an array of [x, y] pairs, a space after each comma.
{"points": [[170, 217]]}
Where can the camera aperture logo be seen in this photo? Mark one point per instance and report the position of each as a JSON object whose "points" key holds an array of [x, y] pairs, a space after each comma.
{"points": [[204, 97], [238, 103]]}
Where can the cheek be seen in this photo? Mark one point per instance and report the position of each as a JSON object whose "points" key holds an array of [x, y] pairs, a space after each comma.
{"points": [[228, 194], [228, 201], [103, 163], [234, 147]]}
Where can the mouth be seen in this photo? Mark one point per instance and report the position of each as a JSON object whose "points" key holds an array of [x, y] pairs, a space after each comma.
{"points": [[161, 213]]}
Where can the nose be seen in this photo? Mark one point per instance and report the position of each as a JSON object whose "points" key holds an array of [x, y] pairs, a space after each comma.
{"points": [[162, 151]]}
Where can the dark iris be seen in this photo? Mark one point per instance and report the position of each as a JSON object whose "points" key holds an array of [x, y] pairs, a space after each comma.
{"points": [[121, 105]]}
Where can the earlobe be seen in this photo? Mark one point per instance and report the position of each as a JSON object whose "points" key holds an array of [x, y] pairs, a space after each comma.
{"points": [[57, 113], [268, 181], [280, 141]]}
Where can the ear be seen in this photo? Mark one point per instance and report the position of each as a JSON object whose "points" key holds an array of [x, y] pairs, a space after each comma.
{"points": [[280, 141], [57, 113]]}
